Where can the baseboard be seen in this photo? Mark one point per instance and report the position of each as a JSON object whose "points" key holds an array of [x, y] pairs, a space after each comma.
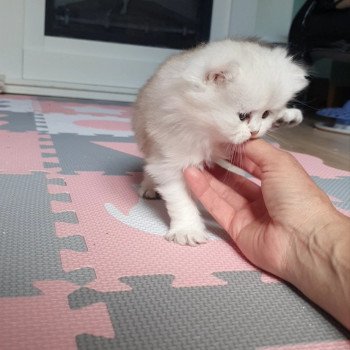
{"points": [[69, 90]]}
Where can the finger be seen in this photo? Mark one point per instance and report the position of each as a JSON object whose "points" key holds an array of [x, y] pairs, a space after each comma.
{"points": [[246, 164], [238, 183], [201, 186], [261, 154], [258, 155], [227, 193], [203, 180]]}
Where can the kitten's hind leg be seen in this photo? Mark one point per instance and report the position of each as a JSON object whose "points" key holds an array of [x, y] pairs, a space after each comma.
{"points": [[147, 188], [186, 225]]}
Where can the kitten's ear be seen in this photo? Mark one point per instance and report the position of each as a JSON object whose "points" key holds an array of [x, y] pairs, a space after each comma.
{"points": [[222, 75], [201, 75]]}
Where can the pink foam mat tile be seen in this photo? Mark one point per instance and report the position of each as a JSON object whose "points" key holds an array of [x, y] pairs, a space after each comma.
{"points": [[22, 153], [105, 227], [47, 322], [116, 249], [127, 148], [315, 166], [2, 122], [104, 125], [127, 253], [333, 345]]}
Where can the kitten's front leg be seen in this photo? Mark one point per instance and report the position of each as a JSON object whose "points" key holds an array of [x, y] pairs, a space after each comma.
{"points": [[186, 226], [288, 117]]}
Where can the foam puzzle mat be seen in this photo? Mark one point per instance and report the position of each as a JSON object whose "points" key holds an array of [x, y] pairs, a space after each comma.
{"points": [[83, 264]]}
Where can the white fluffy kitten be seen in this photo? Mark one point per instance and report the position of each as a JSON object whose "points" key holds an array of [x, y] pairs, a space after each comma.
{"points": [[223, 92]]}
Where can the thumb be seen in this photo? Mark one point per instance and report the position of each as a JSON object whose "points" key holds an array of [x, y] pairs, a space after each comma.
{"points": [[263, 154], [217, 206]]}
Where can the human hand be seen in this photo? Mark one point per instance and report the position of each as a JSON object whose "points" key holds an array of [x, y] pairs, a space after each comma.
{"points": [[263, 221], [287, 226]]}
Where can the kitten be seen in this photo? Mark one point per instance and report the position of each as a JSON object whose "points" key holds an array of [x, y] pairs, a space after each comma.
{"points": [[223, 92]]}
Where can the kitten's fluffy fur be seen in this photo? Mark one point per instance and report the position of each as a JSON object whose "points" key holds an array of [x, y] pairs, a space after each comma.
{"points": [[193, 104]]}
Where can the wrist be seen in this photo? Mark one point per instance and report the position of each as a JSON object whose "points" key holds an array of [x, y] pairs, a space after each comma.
{"points": [[319, 265]]}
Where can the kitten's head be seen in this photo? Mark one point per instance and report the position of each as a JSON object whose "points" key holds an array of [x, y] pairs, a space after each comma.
{"points": [[242, 87]]}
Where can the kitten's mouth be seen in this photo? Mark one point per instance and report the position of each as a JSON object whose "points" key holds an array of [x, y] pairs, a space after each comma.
{"points": [[254, 135]]}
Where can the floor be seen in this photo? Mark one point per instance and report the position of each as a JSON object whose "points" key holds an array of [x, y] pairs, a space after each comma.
{"points": [[332, 148], [83, 260]]}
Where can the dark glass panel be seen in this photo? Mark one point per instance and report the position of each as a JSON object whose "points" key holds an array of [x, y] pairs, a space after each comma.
{"points": [[177, 24]]}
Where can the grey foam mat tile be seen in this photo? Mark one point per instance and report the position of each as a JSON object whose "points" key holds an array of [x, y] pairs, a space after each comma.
{"points": [[244, 314], [29, 247], [79, 153], [18, 122]]}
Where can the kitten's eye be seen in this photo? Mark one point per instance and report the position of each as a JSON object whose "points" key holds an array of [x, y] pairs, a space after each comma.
{"points": [[243, 116], [265, 114]]}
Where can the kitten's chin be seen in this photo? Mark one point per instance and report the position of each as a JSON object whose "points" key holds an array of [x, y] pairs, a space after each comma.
{"points": [[244, 138], [239, 140], [236, 137]]}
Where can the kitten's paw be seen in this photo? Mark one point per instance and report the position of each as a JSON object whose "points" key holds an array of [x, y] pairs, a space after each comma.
{"points": [[148, 193], [187, 236], [289, 117], [147, 189]]}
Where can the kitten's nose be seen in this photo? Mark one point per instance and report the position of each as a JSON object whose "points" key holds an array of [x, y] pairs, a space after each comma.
{"points": [[253, 134]]}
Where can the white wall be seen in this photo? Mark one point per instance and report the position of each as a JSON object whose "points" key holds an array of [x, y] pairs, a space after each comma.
{"points": [[11, 38], [267, 19], [243, 17], [273, 19]]}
